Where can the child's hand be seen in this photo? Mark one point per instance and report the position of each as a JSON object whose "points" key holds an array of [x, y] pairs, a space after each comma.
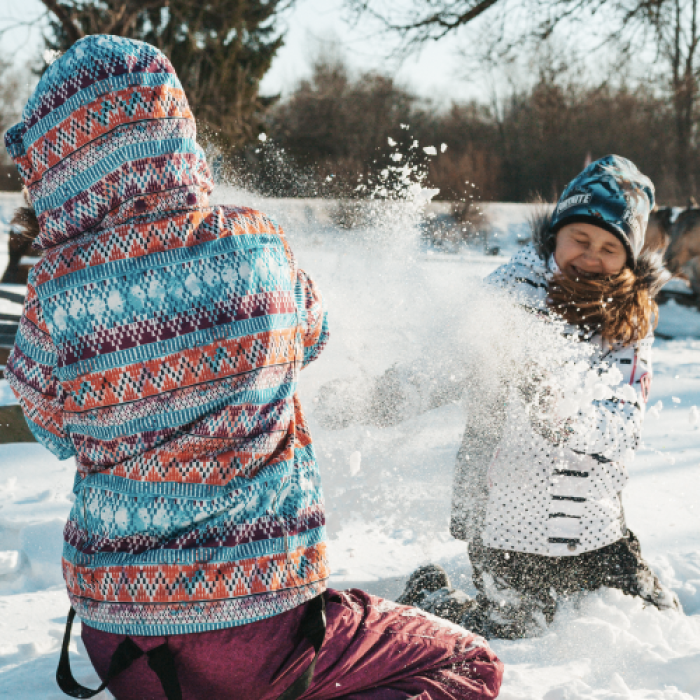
{"points": [[342, 402], [540, 401], [380, 401]]}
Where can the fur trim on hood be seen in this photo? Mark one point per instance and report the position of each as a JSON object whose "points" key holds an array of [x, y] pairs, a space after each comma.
{"points": [[650, 270]]}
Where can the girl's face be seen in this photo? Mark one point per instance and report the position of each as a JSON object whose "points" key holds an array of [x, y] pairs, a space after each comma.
{"points": [[586, 250]]}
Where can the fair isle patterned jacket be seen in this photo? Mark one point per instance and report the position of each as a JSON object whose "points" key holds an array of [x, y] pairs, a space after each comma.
{"points": [[160, 345]]}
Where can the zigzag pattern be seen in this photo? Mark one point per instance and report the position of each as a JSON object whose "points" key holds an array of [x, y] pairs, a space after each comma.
{"points": [[154, 234], [160, 328], [92, 60], [92, 132], [195, 582], [154, 377], [232, 429], [119, 194], [184, 618], [218, 533]]}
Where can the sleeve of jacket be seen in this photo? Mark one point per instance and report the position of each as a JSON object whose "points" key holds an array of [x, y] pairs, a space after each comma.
{"points": [[613, 428], [31, 373], [314, 318]]}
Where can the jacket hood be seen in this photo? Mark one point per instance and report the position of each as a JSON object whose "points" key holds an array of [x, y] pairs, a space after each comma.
{"points": [[107, 136], [649, 268]]}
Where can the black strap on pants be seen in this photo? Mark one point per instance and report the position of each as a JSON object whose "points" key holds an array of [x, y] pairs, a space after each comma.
{"points": [[161, 660], [313, 627]]}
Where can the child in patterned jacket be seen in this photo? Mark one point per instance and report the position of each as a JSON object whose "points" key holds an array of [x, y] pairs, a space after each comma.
{"points": [[537, 496], [160, 347]]}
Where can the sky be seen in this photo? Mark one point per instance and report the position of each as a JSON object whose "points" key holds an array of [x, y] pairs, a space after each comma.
{"points": [[312, 27]]}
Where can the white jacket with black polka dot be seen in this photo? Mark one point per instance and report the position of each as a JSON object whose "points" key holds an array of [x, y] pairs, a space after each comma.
{"points": [[527, 492]]}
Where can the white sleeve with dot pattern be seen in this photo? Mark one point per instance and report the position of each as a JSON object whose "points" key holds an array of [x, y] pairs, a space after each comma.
{"points": [[613, 429]]}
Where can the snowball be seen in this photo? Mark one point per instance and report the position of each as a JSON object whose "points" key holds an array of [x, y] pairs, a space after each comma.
{"points": [[9, 561], [612, 376], [627, 393], [601, 392], [419, 195], [262, 137], [50, 55], [430, 150], [391, 142], [355, 463], [443, 147]]}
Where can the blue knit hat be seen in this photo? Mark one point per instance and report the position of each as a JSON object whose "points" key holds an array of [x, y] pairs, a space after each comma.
{"points": [[610, 193]]}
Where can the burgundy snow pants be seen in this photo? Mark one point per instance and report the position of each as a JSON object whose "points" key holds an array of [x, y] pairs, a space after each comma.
{"points": [[374, 650]]}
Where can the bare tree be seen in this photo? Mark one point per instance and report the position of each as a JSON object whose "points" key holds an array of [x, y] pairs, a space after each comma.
{"points": [[663, 32], [14, 91], [418, 21], [677, 36]]}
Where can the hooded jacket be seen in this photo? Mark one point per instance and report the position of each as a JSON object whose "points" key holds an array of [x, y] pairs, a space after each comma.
{"points": [[160, 346], [517, 490]]}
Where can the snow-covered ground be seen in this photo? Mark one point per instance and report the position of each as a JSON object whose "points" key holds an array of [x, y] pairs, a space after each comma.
{"points": [[388, 490]]}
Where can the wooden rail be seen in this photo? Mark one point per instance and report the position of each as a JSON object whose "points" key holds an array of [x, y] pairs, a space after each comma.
{"points": [[9, 322], [12, 296], [13, 427]]}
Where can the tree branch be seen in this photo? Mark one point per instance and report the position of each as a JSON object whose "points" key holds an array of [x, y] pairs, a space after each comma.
{"points": [[72, 29], [124, 19], [439, 19]]}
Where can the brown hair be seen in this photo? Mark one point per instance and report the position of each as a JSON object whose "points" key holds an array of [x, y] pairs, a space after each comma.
{"points": [[25, 219], [621, 308]]}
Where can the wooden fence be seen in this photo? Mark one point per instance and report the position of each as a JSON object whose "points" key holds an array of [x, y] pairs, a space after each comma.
{"points": [[13, 427]]}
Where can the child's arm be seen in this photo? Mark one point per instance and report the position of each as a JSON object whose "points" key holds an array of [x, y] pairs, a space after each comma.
{"points": [[614, 428], [31, 373], [312, 313], [402, 392], [313, 316]]}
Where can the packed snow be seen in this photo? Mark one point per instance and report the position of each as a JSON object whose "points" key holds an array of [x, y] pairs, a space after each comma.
{"points": [[392, 303]]}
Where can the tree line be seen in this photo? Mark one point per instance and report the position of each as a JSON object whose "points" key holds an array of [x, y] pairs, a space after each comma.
{"points": [[334, 131], [529, 143]]}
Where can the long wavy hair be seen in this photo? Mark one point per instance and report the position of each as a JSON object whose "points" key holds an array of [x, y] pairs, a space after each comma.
{"points": [[25, 220], [622, 308]]}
